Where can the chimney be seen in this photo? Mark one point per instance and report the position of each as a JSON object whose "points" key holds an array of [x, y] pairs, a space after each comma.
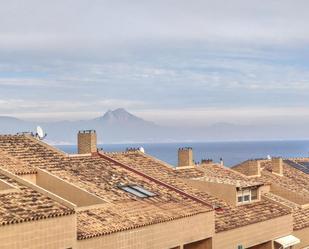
{"points": [[253, 168], [276, 165], [185, 157], [87, 141], [206, 161]]}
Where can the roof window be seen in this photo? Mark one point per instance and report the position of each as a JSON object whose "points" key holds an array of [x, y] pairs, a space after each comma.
{"points": [[137, 191]]}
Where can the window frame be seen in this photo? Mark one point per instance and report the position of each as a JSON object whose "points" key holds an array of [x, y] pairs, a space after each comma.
{"points": [[137, 190], [244, 196]]}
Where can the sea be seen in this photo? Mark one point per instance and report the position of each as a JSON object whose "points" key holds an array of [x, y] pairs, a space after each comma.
{"points": [[232, 153]]}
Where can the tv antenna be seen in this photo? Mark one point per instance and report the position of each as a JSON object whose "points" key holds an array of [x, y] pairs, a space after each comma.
{"points": [[40, 133]]}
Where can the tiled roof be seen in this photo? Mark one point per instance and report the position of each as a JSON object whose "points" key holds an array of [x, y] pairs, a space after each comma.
{"points": [[102, 178], [221, 174], [128, 215], [14, 165], [24, 204], [227, 217], [300, 215], [167, 205], [292, 180]]}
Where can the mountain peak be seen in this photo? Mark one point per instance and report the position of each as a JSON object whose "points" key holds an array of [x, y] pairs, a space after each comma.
{"points": [[120, 112], [119, 115]]}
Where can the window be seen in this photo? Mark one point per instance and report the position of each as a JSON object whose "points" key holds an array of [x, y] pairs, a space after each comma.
{"points": [[254, 194], [137, 191], [142, 190], [247, 195]]}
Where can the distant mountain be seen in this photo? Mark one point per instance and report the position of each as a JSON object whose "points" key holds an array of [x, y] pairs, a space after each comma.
{"points": [[114, 126], [120, 126], [10, 125], [120, 115]]}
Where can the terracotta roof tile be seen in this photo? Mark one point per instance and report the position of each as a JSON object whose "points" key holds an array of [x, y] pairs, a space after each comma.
{"points": [[292, 180], [227, 217], [102, 177], [24, 204]]}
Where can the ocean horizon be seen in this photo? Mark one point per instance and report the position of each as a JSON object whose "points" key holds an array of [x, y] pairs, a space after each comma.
{"points": [[231, 152]]}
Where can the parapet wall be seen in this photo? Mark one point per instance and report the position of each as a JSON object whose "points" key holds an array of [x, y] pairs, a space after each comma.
{"points": [[159, 236], [48, 233]]}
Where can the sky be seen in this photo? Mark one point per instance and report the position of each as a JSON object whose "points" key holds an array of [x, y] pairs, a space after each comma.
{"points": [[173, 62]]}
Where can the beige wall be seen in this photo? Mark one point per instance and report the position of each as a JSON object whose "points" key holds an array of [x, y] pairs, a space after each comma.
{"points": [[303, 235], [159, 236], [53, 233], [264, 189], [5, 186], [276, 165], [29, 177], [289, 195], [66, 190], [254, 234], [225, 192], [249, 168]]}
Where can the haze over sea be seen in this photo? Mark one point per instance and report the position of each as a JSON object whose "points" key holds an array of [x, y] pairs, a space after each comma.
{"points": [[231, 152]]}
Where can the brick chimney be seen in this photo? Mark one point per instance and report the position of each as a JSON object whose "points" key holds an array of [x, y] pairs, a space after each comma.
{"points": [[185, 157], [87, 141], [276, 165]]}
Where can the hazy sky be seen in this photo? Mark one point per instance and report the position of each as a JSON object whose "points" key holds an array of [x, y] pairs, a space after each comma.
{"points": [[168, 61]]}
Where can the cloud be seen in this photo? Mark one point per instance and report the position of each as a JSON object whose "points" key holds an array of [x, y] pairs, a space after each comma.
{"points": [[34, 109], [80, 24], [199, 117], [78, 57]]}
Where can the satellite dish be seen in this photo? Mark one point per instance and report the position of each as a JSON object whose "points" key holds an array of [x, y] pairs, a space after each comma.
{"points": [[141, 149], [40, 133], [269, 157]]}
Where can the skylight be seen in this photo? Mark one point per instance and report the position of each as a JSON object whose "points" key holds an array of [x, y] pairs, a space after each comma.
{"points": [[144, 191], [137, 191]]}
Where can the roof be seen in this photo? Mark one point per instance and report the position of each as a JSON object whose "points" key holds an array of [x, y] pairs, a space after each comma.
{"points": [[21, 204], [227, 217], [14, 165], [300, 164], [300, 215], [102, 177], [292, 180], [128, 215], [220, 174]]}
